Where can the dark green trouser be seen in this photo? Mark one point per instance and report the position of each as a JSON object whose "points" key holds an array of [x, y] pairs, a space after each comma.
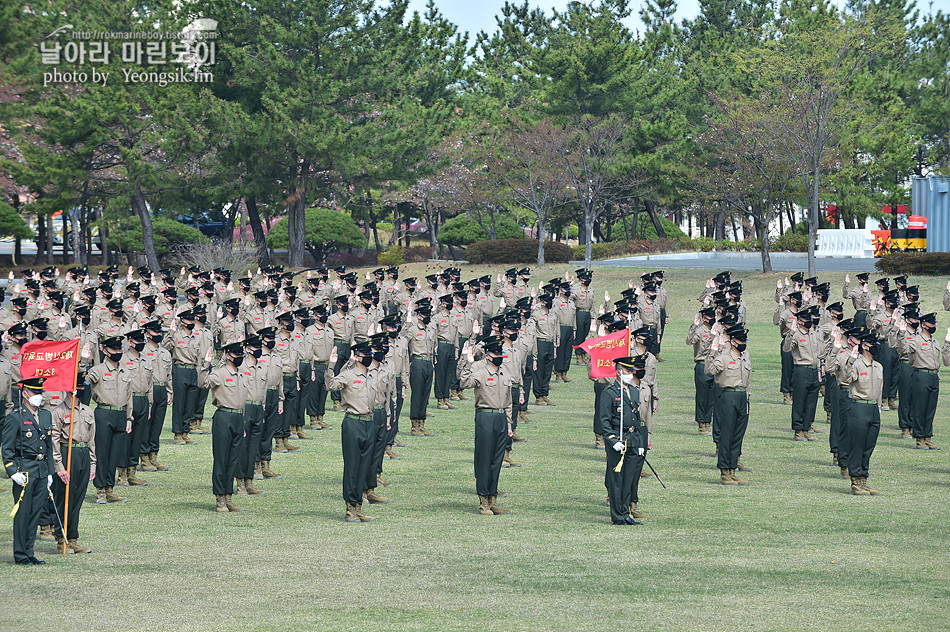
{"points": [[110, 444], [291, 407], [185, 391], [251, 444], [732, 414], [395, 409], [704, 393], [889, 359], [454, 379], [662, 326], [154, 428], [317, 402], [201, 399], [78, 483], [306, 391], [805, 394], [379, 446], [598, 389], [491, 437], [581, 329], [358, 438], [527, 380], [227, 432], [515, 396], [831, 401], [562, 357], [140, 411], [86, 396], [34, 501], [654, 346], [926, 390], [343, 356], [864, 424], [839, 428], [788, 364], [271, 421], [420, 385], [826, 400], [905, 384], [542, 376], [716, 430], [861, 318], [622, 486], [444, 359]]}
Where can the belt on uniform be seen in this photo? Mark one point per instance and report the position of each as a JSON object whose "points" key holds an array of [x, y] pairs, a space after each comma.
{"points": [[380, 407], [927, 370], [304, 361], [254, 403], [272, 388], [808, 366], [289, 374], [318, 363], [359, 339], [360, 417], [158, 383], [341, 341], [845, 388], [111, 407], [545, 340], [443, 341], [739, 390], [185, 366], [30, 457], [699, 361], [420, 357], [139, 394], [581, 310], [864, 401], [501, 411], [236, 411], [76, 444], [904, 361]]}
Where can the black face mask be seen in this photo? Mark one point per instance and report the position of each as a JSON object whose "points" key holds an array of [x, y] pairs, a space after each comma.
{"points": [[92, 300], [118, 314], [366, 360], [203, 318], [262, 304], [20, 310], [234, 311], [393, 334], [256, 352], [872, 349], [929, 327], [463, 304], [138, 345], [188, 326], [115, 356], [379, 356], [426, 320], [367, 306], [639, 373], [41, 334], [19, 341], [135, 295], [740, 347], [157, 338], [322, 318], [343, 307], [270, 344], [512, 337], [287, 326], [548, 304], [172, 302], [58, 305], [274, 301], [448, 305], [805, 325], [238, 361], [497, 360], [85, 320], [306, 322]]}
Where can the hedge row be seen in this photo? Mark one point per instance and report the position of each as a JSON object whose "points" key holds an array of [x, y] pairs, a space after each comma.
{"points": [[916, 263], [517, 251]]}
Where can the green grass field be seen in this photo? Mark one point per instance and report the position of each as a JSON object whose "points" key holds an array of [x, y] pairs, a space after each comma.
{"points": [[792, 551]]}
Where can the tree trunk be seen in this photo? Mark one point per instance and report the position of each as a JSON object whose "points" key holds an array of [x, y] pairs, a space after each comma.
{"points": [[542, 222], [40, 240], [588, 236], [50, 246], [762, 232], [296, 220], [651, 211], [263, 257], [232, 220], [104, 257], [148, 237], [813, 219], [720, 224]]}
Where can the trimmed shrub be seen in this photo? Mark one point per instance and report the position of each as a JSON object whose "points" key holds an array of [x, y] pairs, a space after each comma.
{"points": [[614, 249], [791, 242], [462, 231], [517, 251], [417, 254], [917, 263], [392, 256], [169, 235]]}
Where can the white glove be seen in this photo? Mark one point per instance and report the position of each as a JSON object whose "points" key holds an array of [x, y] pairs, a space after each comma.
{"points": [[49, 481], [19, 478], [618, 446], [640, 452]]}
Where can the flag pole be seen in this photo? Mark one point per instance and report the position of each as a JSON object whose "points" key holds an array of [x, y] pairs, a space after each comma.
{"points": [[69, 449]]}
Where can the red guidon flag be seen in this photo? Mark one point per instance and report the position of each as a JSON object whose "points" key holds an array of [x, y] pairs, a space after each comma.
{"points": [[54, 360], [603, 350]]}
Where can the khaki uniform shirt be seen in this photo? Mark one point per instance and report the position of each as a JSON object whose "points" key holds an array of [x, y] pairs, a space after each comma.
{"points": [[341, 325], [184, 346], [860, 298], [782, 317], [463, 318], [422, 340], [256, 319], [321, 337], [508, 293], [275, 372], [111, 328], [112, 385], [84, 431], [304, 340], [288, 351], [514, 359], [255, 378], [227, 385], [484, 306], [547, 325], [357, 389], [701, 337], [492, 384], [227, 330], [583, 296], [806, 348], [649, 312], [865, 379], [445, 326], [161, 359], [923, 351], [141, 370], [565, 310], [728, 370], [363, 319]]}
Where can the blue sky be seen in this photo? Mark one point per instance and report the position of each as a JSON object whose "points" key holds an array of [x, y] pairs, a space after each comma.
{"points": [[477, 15]]}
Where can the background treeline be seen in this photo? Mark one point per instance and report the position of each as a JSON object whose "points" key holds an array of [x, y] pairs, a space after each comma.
{"points": [[359, 126]]}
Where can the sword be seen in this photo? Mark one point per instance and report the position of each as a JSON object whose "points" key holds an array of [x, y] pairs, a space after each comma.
{"points": [[654, 471], [62, 530]]}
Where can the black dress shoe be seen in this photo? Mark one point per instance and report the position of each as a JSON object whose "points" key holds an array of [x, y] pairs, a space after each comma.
{"points": [[25, 562], [631, 520], [622, 523], [36, 561]]}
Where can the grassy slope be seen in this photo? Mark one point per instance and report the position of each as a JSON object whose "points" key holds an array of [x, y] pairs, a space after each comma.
{"points": [[791, 551]]}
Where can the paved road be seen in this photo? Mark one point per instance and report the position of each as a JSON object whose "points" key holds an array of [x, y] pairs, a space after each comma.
{"points": [[781, 262]]}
